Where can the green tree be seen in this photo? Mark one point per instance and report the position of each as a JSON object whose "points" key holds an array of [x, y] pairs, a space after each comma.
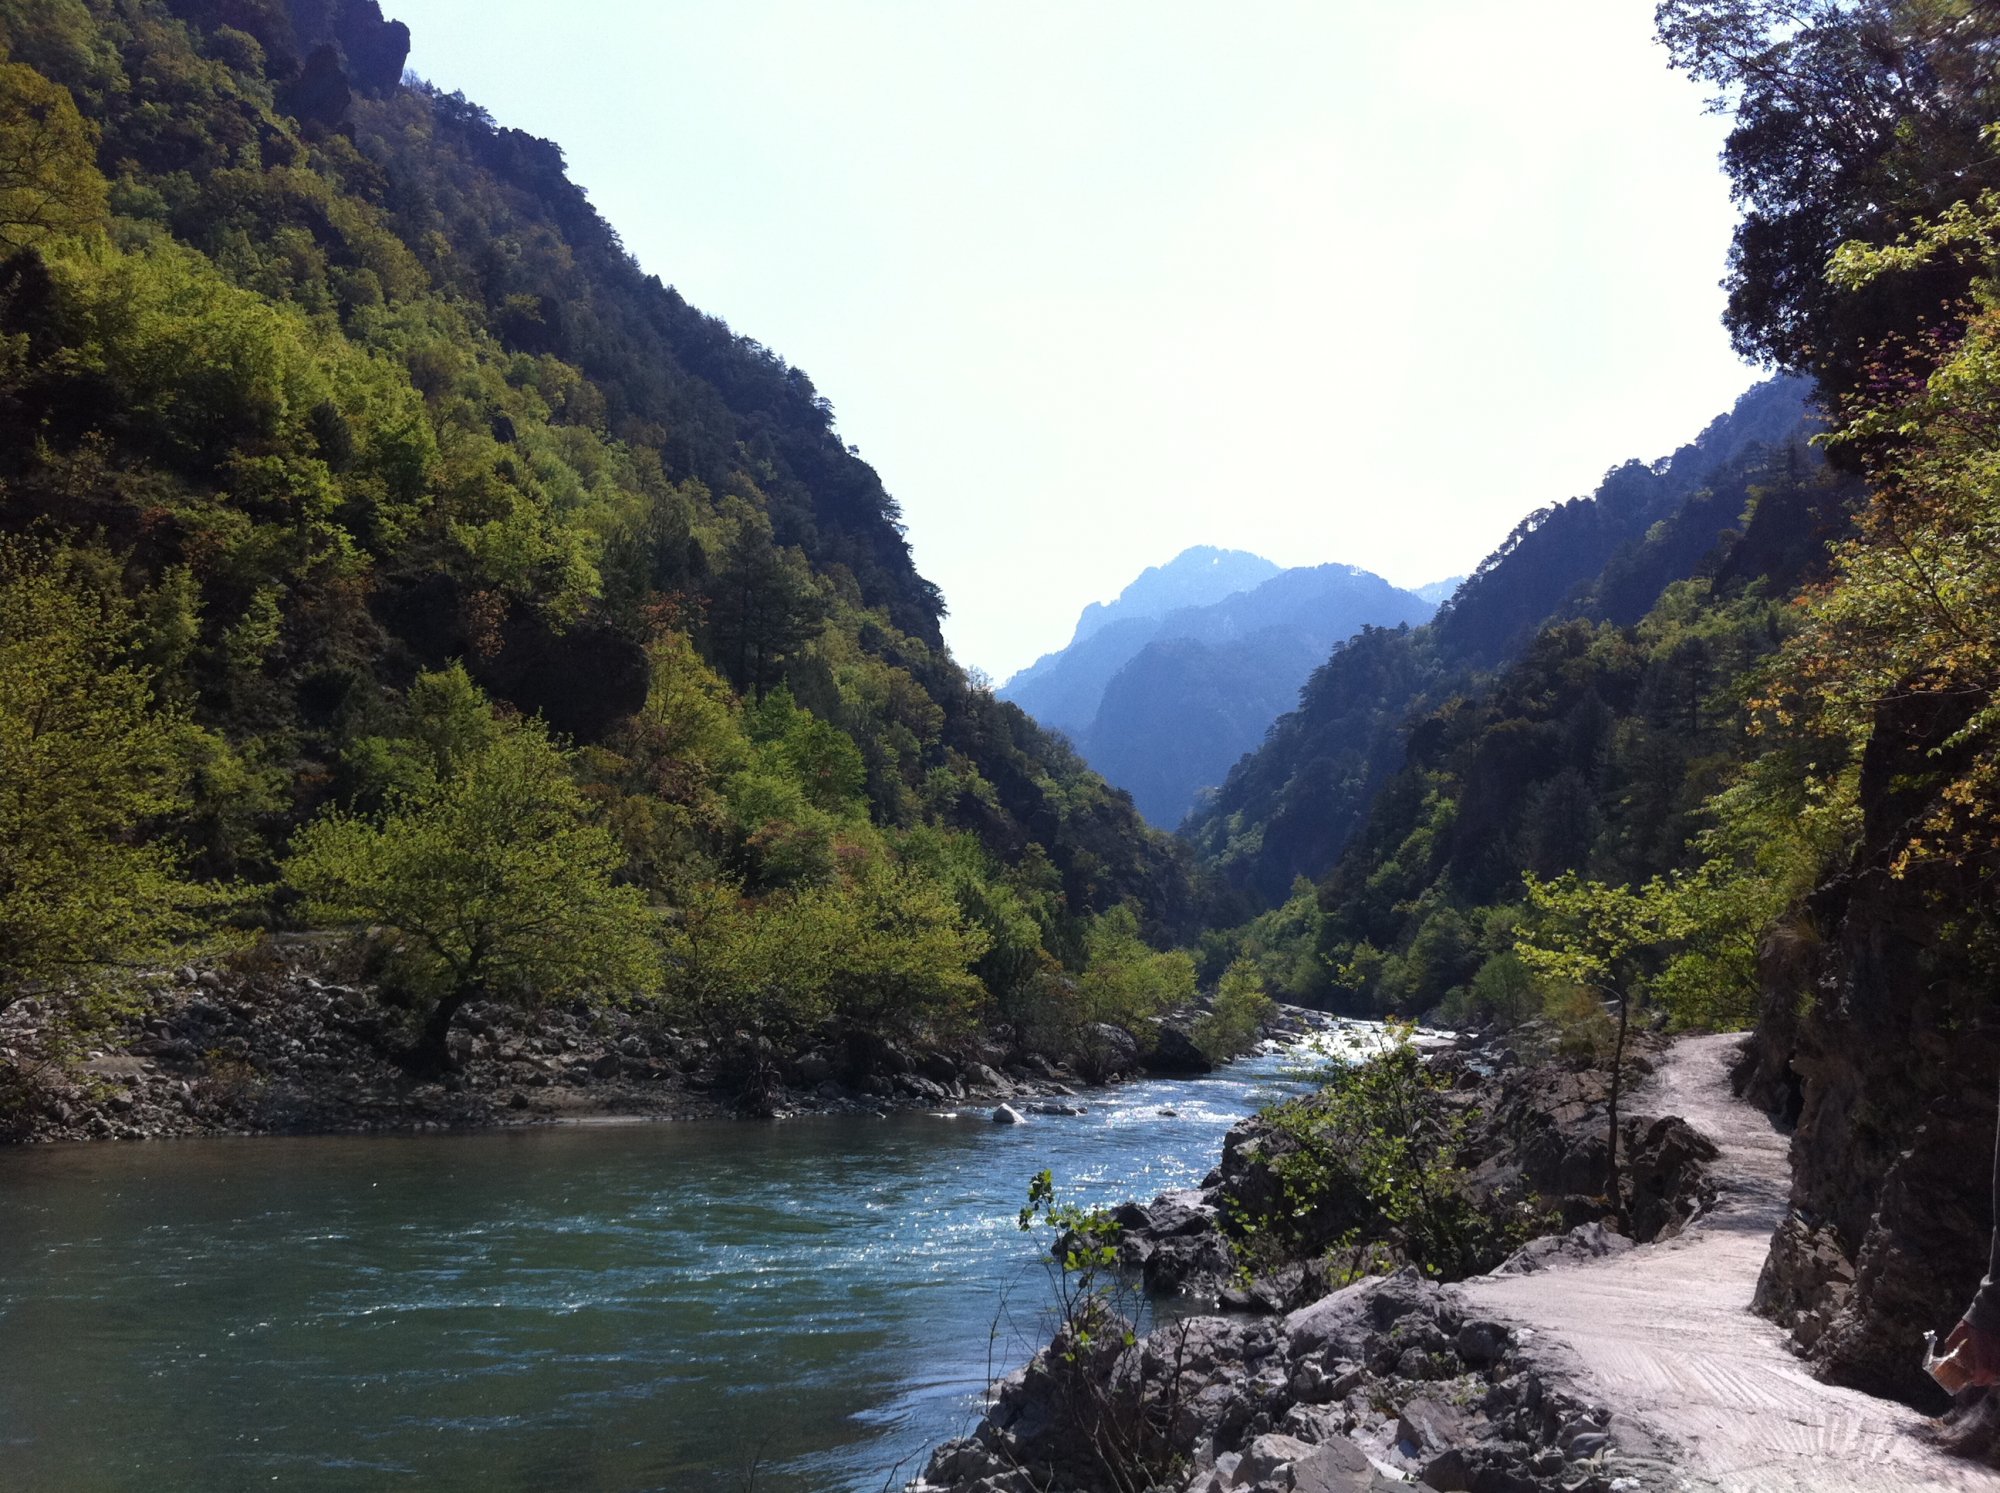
{"points": [[764, 605], [1853, 119], [1236, 1015], [1375, 1157], [90, 765], [902, 955], [1596, 937], [49, 181], [494, 880], [752, 977]]}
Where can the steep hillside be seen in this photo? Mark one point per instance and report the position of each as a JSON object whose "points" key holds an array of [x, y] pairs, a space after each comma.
{"points": [[1287, 810], [334, 416]]}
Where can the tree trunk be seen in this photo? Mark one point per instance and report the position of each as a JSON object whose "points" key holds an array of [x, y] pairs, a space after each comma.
{"points": [[431, 1056], [1612, 1187]]}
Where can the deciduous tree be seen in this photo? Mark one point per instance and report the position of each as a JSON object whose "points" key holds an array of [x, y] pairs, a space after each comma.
{"points": [[90, 764], [495, 881]]}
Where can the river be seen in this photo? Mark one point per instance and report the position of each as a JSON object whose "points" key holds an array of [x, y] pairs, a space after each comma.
{"points": [[803, 1305]]}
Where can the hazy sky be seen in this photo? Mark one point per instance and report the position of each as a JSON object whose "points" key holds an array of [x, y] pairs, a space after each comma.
{"points": [[1091, 282]]}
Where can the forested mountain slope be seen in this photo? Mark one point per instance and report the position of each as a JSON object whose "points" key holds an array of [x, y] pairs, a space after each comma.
{"points": [[1726, 773], [1287, 809], [334, 417]]}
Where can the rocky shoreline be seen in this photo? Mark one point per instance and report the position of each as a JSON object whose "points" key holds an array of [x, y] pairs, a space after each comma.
{"points": [[295, 1045], [1388, 1380]]}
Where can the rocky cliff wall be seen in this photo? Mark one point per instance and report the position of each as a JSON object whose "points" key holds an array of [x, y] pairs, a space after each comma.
{"points": [[1880, 1042]]}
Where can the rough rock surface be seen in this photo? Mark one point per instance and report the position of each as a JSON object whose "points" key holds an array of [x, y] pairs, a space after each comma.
{"points": [[1389, 1381], [1588, 1364], [286, 1042], [1879, 1044]]}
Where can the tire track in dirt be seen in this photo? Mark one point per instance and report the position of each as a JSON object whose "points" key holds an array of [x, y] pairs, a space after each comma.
{"points": [[1664, 1335]]}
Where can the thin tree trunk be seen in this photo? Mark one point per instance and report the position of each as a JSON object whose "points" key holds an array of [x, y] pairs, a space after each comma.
{"points": [[1612, 1186]]}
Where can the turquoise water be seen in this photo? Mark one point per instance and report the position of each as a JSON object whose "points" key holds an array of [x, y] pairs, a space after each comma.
{"points": [[806, 1305]]}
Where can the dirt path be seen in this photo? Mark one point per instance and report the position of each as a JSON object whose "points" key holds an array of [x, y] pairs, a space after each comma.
{"points": [[1664, 1336]]}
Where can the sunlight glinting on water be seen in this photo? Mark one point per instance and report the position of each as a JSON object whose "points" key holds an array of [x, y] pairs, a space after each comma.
{"points": [[600, 1307]]}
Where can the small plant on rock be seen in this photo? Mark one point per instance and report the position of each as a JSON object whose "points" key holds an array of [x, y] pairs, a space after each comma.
{"points": [[1120, 1421]]}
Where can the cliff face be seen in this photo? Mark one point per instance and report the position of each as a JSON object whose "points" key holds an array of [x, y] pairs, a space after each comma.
{"points": [[1880, 1039]]}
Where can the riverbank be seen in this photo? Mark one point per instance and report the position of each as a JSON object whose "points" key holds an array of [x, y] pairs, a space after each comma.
{"points": [[1394, 1377], [1586, 1362], [288, 1047], [805, 1307]]}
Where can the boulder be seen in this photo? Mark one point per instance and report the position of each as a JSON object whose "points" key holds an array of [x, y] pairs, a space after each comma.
{"points": [[1353, 1320], [1339, 1466], [1173, 1052], [1108, 1050], [1589, 1241], [1006, 1114]]}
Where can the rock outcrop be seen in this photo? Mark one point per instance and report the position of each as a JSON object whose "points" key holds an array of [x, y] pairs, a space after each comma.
{"points": [[1879, 1042], [1536, 1144], [1387, 1381]]}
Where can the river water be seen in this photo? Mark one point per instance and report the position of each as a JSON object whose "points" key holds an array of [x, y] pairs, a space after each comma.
{"points": [[805, 1305]]}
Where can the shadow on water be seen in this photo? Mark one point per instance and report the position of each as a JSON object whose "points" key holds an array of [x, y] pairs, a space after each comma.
{"points": [[807, 1304]]}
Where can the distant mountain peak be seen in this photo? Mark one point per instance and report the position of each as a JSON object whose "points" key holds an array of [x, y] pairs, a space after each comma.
{"points": [[1197, 576], [1171, 683]]}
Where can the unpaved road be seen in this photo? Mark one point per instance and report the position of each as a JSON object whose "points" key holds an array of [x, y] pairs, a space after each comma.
{"points": [[1664, 1334]]}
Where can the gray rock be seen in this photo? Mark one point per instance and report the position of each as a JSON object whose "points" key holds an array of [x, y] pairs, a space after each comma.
{"points": [[1006, 1114], [1587, 1241], [980, 1076], [1347, 1321], [1427, 1427], [1268, 1455], [1339, 1466], [1173, 1051], [1481, 1342]]}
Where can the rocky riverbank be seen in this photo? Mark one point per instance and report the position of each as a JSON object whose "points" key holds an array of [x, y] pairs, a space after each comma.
{"points": [[291, 1043], [1535, 1152], [1391, 1379]]}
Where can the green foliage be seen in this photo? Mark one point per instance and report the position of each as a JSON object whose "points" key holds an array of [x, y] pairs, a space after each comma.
{"points": [[1595, 936], [1504, 991], [493, 879], [381, 422], [1376, 1157], [1086, 1245], [91, 768], [885, 953], [753, 978], [1905, 630], [1123, 984], [1853, 120], [49, 181], [1236, 1016]]}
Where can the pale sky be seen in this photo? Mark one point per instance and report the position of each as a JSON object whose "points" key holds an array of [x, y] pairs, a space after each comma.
{"points": [[1091, 282]]}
